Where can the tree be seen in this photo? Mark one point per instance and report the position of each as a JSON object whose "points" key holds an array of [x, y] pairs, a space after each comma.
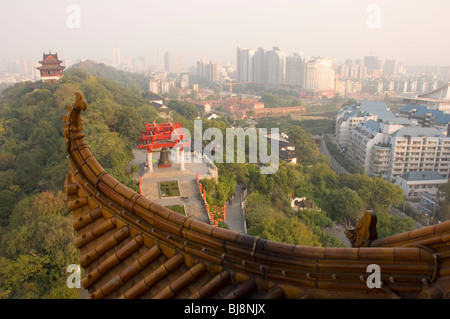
{"points": [[306, 149], [444, 213], [347, 203], [285, 230], [19, 278], [188, 110], [259, 207], [8, 200], [389, 225], [40, 237]]}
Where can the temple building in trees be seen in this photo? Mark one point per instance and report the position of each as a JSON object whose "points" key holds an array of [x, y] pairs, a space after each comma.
{"points": [[51, 68]]}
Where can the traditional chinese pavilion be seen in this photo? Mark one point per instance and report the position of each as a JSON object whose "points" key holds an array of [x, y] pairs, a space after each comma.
{"points": [[51, 68]]}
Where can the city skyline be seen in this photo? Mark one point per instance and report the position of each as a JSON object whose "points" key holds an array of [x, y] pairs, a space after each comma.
{"points": [[410, 32]]}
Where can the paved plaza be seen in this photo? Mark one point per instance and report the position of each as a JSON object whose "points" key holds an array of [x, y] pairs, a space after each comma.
{"points": [[189, 197]]}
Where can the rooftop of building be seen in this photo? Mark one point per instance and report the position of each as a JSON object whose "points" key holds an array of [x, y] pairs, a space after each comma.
{"points": [[378, 108], [422, 176], [373, 125], [399, 121], [421, 111], [418, 131], [50, 58]]}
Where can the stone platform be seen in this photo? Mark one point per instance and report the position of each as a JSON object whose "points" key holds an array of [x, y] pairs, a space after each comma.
{"points": [[189, 192]]}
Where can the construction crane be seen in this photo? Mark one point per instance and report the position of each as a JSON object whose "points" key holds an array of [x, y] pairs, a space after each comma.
{"points": [[231, 83]]}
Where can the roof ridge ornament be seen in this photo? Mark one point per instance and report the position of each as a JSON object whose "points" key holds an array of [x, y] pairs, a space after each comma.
{"points": [[365, 231]]}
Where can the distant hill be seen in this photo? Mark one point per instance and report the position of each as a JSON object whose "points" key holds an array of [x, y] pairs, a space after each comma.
{"points": [[102, 70]]}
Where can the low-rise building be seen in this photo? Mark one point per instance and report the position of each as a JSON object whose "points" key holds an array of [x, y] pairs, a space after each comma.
{"points": [[418, 182], [286, 149]]}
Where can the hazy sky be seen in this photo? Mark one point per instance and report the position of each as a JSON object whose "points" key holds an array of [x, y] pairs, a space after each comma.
{"points": [[413, 31]]}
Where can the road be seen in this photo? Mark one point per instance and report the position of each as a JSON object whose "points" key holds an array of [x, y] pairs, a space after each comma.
{"points": [[334, 165], [234, 212], [399, 213]]}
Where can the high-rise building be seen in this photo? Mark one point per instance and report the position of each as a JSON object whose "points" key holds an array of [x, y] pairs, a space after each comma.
{"points": [[168, 61], [319, 74], [373, 66], [208, 70], [295, 70], [259, 66], [276, 67], [244, 64], [116, 57], [201, 68], [212, 71], [388, 146], [390, 67], [172, 63]]}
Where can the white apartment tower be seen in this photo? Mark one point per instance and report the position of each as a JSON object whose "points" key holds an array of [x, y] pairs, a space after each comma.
{"points": [[419, 149], [259, 66], [244, 58], [319, 74]]}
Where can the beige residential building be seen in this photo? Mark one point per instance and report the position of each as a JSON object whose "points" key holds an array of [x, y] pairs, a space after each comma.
{"points": [[419, 149]]}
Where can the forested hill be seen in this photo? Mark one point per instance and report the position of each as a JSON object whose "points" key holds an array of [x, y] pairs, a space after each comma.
{"points": [[36, 233], [102, 70]]}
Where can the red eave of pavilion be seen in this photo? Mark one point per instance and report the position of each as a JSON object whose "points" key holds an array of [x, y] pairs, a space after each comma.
{"points": [[158, 135]]}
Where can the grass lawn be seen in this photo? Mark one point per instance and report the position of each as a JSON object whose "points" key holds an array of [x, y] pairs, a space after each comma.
{"points": [[177, 208], [169, 189]]}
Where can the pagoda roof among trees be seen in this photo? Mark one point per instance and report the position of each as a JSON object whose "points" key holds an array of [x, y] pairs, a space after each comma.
{"points": [[50, 58], [50, 61]]}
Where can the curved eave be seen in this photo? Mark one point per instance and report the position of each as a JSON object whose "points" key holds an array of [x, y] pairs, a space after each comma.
{"points": [[131, 247]]}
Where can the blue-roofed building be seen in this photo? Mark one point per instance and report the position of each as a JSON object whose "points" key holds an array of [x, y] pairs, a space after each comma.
{"points": [[418, 182], [387, 146], [351, 115], [426, 117]]}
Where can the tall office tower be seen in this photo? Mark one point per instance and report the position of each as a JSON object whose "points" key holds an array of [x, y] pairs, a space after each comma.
{"points": [[390, 67], [276, 67], [156, 60], [208, 70], [319, 74], [372, 65], [361, 69], [259, 66], [173, 64], [177, 64], [116, 57], [212, 71], [201, 68], [141, 64], [343, 70], [244, 64], [295, 70], [168, 61]]}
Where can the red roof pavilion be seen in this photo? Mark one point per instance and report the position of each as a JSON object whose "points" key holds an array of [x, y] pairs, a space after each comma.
{"points": [[51, 68]]}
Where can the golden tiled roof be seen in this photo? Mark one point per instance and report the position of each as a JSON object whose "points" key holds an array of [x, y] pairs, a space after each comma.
{"points": [[131, 247]]}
